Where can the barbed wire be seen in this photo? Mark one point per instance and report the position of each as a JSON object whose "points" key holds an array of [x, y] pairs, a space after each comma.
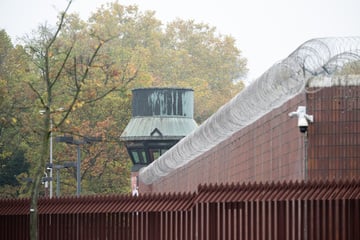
{"points": [[283, 81]]}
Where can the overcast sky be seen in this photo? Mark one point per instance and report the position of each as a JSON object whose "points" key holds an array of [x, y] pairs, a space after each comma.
{"points": [[266, 31]]}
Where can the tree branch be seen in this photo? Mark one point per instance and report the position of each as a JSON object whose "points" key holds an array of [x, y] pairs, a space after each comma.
{"points": [[60, 25], [57, 77], [38, 95]]}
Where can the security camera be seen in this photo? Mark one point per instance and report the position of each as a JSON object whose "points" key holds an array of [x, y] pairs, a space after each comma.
{"points": [[303, 125], [49, 166], [303, 118]]}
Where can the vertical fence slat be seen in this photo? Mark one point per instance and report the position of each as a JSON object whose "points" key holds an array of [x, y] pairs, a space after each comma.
{"points": [[288, 219], [356, 219], [218, 220], [211, 218], [331, 226], [324, 220], [344, 219]]}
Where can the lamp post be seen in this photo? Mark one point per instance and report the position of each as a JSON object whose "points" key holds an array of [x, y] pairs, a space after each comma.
{"points": [[58, 167], [51, 158], [51, 148], [78, 169], [71, 140]]}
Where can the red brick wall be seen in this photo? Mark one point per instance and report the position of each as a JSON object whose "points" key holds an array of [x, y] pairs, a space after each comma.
{"points": [[273, 149], [270, 149], [334, 140]]}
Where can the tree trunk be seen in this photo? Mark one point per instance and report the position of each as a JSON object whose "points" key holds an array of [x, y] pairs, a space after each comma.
{"points": [[34, 235], [34, 208]]}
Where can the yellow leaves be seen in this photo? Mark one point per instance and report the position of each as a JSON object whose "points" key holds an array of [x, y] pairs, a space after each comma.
{"points": [[131, 69], [5, 154], [4, 120], [78, 104], [98, 45]]}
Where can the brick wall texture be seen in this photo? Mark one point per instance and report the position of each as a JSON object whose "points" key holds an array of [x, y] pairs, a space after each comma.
{"points": [[273, 149], [334, 139]]}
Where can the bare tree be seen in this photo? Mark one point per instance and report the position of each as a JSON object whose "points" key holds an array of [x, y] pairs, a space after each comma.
{"points": [[54, 64]]}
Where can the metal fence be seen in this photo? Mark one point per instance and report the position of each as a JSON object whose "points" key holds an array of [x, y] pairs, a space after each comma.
{"points": [[312, 210]]}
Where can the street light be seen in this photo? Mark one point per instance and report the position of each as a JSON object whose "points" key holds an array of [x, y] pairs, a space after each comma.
{"points": [[44, 180], [71, 140], [58, 167]]}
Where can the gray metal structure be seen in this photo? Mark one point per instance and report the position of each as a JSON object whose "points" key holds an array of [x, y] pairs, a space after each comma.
{"points": [[160, 118]]}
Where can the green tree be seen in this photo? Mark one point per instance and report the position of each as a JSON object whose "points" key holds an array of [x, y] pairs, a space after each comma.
{"points": [[87, 68], [71, 63], [194, 55], [105, 165], [182, 54], [78, 63], [13, 161], [11, 167]]}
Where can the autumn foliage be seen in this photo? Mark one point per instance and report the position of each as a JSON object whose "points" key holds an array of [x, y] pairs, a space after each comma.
{"points": [[88, 68]]}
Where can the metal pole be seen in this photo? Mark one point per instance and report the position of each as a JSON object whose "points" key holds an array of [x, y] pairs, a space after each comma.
{"points": [[78, 174], [58, 182], [46, 183], [306, 174], [51, 158]]}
